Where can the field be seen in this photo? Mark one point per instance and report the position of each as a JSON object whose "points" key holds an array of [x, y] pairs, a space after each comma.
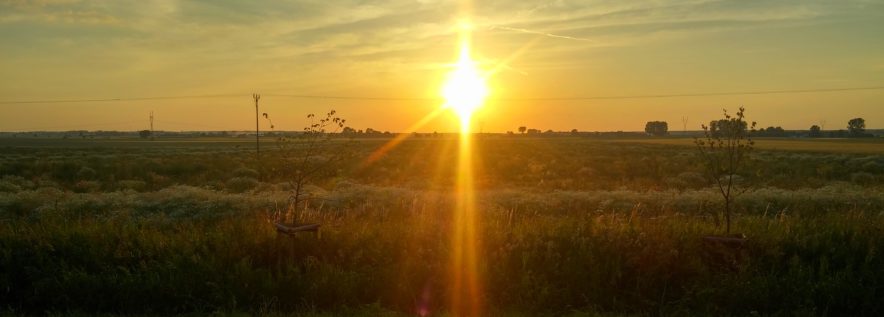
{"points": [[567, 226], [858, 146]]}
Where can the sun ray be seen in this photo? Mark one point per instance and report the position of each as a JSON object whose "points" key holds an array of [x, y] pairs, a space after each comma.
{"points": [[505, 63], [380, 152], [465, 90]]}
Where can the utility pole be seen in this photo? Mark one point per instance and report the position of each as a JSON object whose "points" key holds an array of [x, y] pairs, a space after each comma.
{"points": [[151, 125], [257, 130], [684, 125]]}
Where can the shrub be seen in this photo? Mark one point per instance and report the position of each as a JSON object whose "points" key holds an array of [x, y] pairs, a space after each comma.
{"points": [[692, 180], [245, 172], [9, 187], [86, 173], [132, 184], [87, 186], [862, 178], [14, 183], [241, 184]]}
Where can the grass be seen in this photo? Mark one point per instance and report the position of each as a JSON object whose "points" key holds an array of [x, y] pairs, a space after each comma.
{"points": [[568, 227], [822, 145]]}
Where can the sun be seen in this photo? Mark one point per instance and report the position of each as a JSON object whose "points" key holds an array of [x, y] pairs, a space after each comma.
{"points": [[465, 88]]}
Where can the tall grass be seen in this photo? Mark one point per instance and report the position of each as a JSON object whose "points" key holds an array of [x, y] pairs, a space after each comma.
{"points": [[567, 226], [187, 249]]}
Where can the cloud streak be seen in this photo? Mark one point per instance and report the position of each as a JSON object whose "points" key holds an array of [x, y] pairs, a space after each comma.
{"points": [[500, 27]]}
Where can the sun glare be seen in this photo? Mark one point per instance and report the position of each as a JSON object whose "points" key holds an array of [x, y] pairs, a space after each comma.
{"points": [[465, 88]]}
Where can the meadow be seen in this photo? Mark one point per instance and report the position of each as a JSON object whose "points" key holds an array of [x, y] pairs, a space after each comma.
{"points": [[567, 226]]}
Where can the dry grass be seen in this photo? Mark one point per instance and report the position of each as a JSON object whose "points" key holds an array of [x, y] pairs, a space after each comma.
{"points": [[855, 146]]}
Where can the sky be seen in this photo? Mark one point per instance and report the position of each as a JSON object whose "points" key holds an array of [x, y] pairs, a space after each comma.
{"points": [[79, 49]]}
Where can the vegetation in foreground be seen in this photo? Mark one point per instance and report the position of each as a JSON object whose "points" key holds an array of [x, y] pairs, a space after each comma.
{"points": [[566, 226]]}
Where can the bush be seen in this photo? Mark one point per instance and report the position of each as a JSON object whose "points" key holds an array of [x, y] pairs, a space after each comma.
{"points": [[86, 173], [241, 184], [245, 172], [688, 180], [862, 178], [9, 187], [132, 184], [87, 187]]}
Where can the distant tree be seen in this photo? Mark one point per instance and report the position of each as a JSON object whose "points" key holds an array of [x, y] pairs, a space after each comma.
{"points": [[522, 129], [574, 132], [856, 126], [144, 134], [724, 127], [815, 131], [724, 154], [348, 130], [656, 128], [533, 131]]}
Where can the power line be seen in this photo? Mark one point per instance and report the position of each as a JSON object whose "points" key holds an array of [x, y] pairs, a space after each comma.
{"points": [[83, 126], [119, 99], [731, 93], [370, 98], [353, 98], [760, 92]]}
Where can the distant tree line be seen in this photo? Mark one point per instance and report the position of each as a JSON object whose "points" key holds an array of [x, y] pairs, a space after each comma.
{"points": [[367, 131], [770, 132], [856, 128]]}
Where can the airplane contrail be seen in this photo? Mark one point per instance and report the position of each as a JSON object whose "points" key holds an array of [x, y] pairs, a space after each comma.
{"points": [[539, 33]]}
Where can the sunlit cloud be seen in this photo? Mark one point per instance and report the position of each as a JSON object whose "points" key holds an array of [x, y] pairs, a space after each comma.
{"points": [[494, 27]]}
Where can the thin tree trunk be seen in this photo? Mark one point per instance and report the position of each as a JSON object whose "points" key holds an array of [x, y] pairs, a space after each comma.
{"points": [[727, 215]]}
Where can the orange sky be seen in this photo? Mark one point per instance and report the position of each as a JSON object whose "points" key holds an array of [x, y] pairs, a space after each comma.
{"points": [[69, 49]]}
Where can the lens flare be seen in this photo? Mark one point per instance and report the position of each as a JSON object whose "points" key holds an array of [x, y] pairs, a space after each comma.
{"points": [[465, 88]]}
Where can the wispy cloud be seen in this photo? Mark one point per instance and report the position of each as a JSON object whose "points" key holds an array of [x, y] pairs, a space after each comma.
{"points": [[499, 27], [199, 38]]}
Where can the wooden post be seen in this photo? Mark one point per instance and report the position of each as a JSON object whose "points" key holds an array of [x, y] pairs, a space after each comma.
{"points": [[257, 129]]}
